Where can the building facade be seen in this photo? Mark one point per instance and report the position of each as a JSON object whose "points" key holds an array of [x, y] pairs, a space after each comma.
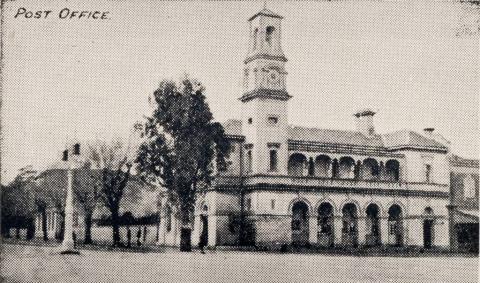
{"points": [[464, 204], [289, 184]]}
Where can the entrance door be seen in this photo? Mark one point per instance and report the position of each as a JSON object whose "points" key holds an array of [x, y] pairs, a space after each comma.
{"points": [[427, 233], [300, 223], [204, 234]]}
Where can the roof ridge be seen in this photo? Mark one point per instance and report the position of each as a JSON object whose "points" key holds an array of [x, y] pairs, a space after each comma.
{"points": [[325, 129]]}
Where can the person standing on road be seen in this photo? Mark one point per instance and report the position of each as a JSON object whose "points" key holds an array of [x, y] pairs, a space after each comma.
{"points": [[139, 234], [129, 238], [203, 242]]}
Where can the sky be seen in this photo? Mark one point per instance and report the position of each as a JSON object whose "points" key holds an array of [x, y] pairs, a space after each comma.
{"points": [[82, 79]]}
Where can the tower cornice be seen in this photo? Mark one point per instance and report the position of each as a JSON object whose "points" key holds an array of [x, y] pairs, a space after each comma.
{"points": [[265, 93], [265, 56]]}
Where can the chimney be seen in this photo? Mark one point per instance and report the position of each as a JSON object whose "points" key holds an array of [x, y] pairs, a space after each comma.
{"points": [[429, 131], [364, 121], [76, 149], [65, 155]]}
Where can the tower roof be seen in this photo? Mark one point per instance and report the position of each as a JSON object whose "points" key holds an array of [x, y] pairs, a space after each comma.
{"points": [[266, 12]]}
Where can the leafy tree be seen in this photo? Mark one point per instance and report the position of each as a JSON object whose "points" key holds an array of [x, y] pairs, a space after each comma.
{"points": [[113, 160], [182, 145], [18, 207], [469, 18]]}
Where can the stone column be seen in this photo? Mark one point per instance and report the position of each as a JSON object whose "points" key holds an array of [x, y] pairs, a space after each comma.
{"points": [[337, 227], [212, 230], [384, 230], [313, 229], [67, 244], [361, 226], [196, 230]]}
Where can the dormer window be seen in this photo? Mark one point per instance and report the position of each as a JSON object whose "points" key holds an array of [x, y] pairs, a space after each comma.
{"points": [[272, 120], [269, 34]]}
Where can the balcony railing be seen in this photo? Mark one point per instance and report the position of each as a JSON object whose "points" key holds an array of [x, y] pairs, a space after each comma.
{"points": [[309, 181]]}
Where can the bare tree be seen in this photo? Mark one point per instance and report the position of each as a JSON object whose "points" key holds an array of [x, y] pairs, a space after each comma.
{"points": [[87, 189], [114, 160]]}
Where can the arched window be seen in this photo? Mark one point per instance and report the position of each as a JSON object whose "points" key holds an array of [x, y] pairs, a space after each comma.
{"points": [[273, 160], [249, 161], [168, 218], [296, 164], [255, 36], [469, 187], [269, 34]]}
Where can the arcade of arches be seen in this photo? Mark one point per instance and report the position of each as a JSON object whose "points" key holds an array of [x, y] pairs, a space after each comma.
{"points": [[344, 168], [352, 226]]}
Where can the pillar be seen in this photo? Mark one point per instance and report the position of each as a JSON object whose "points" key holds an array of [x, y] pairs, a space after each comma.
{"points": [[312, 229], [362, 227], [196, 230], [384, 230], [212, 230], [337, 227]]}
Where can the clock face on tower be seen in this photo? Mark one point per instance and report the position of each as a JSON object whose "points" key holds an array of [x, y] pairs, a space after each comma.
{"points": [[273, 76]]}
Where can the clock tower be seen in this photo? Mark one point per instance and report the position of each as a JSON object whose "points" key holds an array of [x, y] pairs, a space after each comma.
{"points": [[264, 99]]}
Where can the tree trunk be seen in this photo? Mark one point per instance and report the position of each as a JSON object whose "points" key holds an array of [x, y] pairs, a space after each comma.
{"points": [[44, 225], [17, 232], [115, 228], [185, 232], [88, 228]]}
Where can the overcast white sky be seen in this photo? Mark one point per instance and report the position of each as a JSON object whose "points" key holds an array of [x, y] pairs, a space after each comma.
{"points": [[91, 78]]}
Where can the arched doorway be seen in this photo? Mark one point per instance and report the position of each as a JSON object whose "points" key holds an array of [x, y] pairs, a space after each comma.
{"points": [[325, 225], [428, 228], [350, 225], [300, 223], [372, 238], [203, 241], [395, 225]]}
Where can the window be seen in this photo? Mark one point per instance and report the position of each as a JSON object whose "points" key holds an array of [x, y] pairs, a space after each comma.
{"points": [[272, 120], [255, 35], [76, 149], [250, 120], [249, 204], [272, 204], [428, 173], [249, 161], [273, 160], [269, 34], [468, 187], [392, 228]]}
